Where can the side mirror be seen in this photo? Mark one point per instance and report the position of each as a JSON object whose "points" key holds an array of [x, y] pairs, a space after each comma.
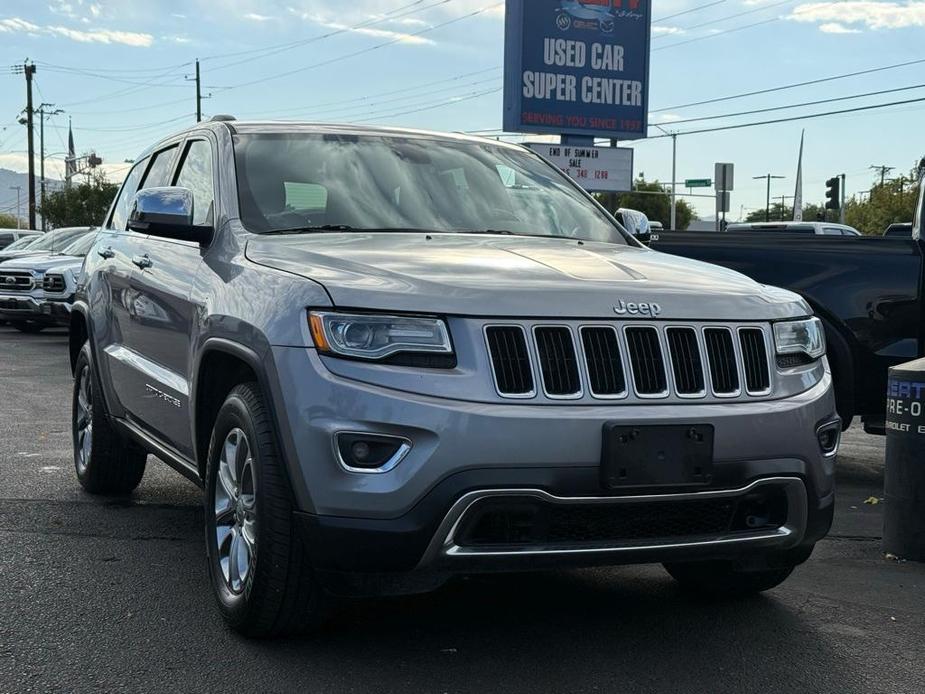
{"points": [[167, 213]]}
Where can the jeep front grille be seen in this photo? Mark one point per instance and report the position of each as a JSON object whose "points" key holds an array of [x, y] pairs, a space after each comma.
{"points": [[611, 360], [54, 283], [13, 281], [606, 378], [558, 362], [510, 360]]}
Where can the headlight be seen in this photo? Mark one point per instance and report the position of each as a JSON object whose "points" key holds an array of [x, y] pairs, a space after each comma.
{"points": [[800, 337], [377, 336]]}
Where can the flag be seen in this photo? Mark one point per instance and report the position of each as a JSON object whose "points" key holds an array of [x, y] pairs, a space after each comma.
{"points": [[70, 165], [798, 193]]}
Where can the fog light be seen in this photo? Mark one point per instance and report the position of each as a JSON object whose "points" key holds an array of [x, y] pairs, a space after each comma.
{"points": [[376, 453], [829, 436]]}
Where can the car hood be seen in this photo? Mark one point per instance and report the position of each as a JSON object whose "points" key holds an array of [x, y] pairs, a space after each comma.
{"points": [[517, 276], [42, 263]]}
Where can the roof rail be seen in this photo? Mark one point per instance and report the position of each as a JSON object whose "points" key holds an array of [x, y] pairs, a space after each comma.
{"points": [[222, 118]]}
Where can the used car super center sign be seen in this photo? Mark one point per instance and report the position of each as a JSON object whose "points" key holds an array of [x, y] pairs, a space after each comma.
{"points": [[578, 68]]}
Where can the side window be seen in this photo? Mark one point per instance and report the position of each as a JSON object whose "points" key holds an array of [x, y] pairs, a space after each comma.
{"points": [[123, 203], [832, 231], [196, 174], [161, 166], [6, 238]]}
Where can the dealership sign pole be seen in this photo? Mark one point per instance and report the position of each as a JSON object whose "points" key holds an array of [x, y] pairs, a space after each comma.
{"points": [[577, 69]]}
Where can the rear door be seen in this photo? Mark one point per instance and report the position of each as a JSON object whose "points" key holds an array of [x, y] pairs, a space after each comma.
{"points": [[163, 315]]}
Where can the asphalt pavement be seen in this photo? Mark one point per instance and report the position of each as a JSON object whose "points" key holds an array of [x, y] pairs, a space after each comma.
{"points": [[112, 595]]}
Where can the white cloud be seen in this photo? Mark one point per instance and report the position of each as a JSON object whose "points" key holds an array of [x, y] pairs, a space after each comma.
{"points": [[666, 31], [667, 117], [128, 38], [254, 17], [402, 37], [869, 14], [836, 28]]}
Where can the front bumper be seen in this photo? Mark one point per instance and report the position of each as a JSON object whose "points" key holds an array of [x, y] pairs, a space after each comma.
{"points": [[24, 307], [397, 521]]}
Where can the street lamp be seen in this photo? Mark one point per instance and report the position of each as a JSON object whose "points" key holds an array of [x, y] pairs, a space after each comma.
{"points": [[767, 207], [674, 178]]}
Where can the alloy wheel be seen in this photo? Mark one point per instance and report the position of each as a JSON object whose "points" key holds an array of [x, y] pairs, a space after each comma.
{"points": [[235, 510], [84, 419]]}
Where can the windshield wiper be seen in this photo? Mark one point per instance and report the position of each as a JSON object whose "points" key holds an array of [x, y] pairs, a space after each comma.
{"points": [[502, 232], [314, 229]]}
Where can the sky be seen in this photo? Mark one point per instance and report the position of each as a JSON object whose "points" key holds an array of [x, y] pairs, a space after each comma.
{"points": [[121, 69]]}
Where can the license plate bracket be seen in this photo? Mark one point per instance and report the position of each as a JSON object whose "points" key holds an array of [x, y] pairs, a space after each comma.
{"points": [[675, 455]]}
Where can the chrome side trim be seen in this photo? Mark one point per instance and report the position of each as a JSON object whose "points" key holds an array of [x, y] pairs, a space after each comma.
{"points": [[443, 542], [403, 450], [166, 377]]}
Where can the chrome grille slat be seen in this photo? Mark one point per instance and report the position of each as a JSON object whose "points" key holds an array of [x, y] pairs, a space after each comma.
{"points": [[558, 361], [601, 360], [53, 283]]}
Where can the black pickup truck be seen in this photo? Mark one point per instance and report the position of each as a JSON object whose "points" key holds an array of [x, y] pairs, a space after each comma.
{"points": [[868, 291]]}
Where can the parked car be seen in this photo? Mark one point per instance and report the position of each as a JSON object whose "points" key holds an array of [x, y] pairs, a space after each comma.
{"points": [[867, 293], [818, 228], [10, 236], [899, 230], [50, 242], [38, 291], [387, 365]]}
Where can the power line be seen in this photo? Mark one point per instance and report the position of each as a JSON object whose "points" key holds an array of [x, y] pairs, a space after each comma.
{"points": [[789, 86], [693, 9], [369, 49], [392, 92], [163, 68], [450, 102], [760, 8], [719, 33], [268, 51], [800, 105], [808, 116]]}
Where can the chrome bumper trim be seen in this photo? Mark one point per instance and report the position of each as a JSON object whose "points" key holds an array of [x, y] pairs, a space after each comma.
{"points": [[443, 544]]}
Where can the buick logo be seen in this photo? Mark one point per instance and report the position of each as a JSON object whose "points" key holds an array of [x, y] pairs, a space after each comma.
{"points": [[642, 308]]}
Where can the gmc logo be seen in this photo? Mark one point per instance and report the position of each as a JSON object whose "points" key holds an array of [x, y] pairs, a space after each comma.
{"points": [[624, 308]]}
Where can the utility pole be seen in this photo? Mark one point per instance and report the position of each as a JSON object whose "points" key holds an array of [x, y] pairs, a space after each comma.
{"points": [[674, 177], [18, 190], [767, 207], [28, 70], [841, 208], [783, 204], [199, 97], [43, 113], [883, 169]]}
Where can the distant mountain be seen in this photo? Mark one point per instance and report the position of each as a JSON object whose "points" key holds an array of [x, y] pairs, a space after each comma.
{"points": [[11, 179]]}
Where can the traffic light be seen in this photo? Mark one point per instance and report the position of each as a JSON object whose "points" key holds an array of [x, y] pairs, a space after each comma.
{"points": [[833, 193]]}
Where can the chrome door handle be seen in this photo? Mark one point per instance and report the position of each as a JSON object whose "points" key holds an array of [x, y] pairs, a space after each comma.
{"points": [[142, 261], [106, 252]]}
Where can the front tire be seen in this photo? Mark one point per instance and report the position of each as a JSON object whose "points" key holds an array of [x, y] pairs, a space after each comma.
{"points": [[718, 579], [105, 463], [259, 569]]}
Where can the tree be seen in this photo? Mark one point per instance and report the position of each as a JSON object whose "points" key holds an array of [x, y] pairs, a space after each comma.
{"points": [[893, 201], [652, 200], [8, 221], [811, 213], [84, 204]]}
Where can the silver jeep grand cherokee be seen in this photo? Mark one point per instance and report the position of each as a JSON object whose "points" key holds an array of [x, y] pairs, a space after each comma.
{"points": [[393, 356]]}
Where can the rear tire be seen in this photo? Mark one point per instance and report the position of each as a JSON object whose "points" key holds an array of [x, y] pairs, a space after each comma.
{"points": [[28, 327], [719, 579], [105, 462], [258, 564]]}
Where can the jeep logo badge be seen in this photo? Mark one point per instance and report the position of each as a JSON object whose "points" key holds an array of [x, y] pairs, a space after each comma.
{"points": [[645, 308]]}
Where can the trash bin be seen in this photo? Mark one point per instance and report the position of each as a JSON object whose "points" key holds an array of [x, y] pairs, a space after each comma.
{"points": [[904, 484]]}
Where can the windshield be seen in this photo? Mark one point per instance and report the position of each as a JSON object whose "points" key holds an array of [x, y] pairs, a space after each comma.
{"points": [[81, 246], [57, 239], [307, 181], [23, 243]]}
